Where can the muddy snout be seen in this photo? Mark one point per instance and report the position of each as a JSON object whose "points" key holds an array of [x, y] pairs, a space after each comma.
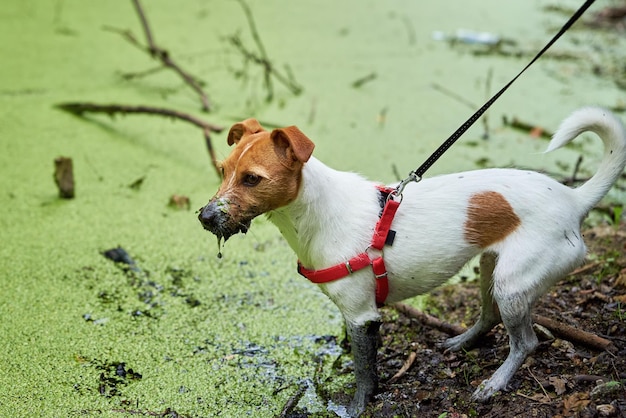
{"points": [[215, 217], [208, 216]]}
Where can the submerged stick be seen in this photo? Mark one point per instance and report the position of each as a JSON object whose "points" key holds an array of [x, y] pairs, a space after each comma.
{"points": [[80, 108], [528, 128], [292, 402], [64, 177], [166, 59]]}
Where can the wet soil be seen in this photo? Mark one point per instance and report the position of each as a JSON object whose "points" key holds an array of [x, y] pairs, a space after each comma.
{"points": [[561, 379]]}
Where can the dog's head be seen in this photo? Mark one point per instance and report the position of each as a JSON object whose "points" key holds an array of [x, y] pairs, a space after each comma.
{"points": [[262, 173]]}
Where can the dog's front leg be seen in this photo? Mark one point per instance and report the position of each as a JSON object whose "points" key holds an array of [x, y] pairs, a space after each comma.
{"points": [[364, 343]]}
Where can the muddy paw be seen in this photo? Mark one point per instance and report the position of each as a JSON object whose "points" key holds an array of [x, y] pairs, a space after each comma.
{"points": [[455, 343], [485, 391], [356, 408]]}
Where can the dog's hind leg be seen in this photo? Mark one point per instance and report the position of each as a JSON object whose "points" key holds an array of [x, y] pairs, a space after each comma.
{"points": [[489, 314], [515, 312]]}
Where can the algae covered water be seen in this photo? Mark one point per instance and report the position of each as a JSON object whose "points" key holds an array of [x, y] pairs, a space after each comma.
{"points": [[180, 330]]}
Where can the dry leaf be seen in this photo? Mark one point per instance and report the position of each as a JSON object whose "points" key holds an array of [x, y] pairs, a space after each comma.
{"points": [[575, 402], [558, 384]]}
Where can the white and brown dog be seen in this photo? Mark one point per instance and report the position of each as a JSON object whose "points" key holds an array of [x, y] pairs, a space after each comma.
{"points": [[525, 224]]}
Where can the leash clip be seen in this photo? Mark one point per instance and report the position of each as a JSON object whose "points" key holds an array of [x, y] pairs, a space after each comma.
{"points": [[412, 177]]}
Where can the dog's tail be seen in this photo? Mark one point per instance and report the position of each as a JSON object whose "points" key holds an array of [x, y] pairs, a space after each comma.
{"points": [[611, 130]]}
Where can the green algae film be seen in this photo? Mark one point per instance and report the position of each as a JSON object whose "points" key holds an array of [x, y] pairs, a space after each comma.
{"points": [[191, 333]]}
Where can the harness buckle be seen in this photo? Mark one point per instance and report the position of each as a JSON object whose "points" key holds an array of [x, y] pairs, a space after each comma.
{"points": [[397, 192], [349, 267]]}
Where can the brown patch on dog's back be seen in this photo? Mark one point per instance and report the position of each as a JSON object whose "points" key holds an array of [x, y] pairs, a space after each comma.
{"points": [[490, 218]]}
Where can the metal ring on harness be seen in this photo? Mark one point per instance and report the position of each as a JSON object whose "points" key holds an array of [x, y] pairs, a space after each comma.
{"points": [[397, 192]]}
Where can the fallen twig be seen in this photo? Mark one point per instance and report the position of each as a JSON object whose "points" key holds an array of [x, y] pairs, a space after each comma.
{"points": [[292, 402], [543, 389], [454, 95], [532, 130], [485, 118], [574, 335], [565, 331], [162, 55], [536, 398], [467, 103], [429, 320], [79, 109], [359, 82], [588, 378], [405, 367]]}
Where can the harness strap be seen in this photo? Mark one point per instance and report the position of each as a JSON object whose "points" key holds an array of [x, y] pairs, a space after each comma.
{"points": [[382, 283], [337, 271], [383, 235]]}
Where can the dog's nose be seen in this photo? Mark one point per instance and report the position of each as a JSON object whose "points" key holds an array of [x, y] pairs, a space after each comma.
{"points": [[207, 216]]}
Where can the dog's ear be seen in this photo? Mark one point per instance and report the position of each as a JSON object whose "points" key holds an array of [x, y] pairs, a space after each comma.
{"points": [[292, 145], [247, 127]]}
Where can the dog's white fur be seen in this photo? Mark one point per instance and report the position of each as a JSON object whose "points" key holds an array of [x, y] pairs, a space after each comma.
{"points": [[333, 216]]}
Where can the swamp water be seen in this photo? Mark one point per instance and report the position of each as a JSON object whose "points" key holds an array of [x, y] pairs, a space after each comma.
{"points": [[183, 331]]}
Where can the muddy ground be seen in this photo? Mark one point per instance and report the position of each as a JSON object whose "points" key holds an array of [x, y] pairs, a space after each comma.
{"points": [[561, 379]]}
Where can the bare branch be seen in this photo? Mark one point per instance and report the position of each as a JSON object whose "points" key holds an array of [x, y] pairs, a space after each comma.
{"points": [[559, 328], [161, 54], [79, 109], [146, 27], [574, 335], [262, 59], [429, 320]]}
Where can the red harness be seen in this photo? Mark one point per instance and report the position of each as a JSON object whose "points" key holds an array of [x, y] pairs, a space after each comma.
{"points": [[383, 234]]}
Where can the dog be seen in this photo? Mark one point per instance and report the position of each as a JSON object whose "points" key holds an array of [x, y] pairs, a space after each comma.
{"points": [[525, 226]]}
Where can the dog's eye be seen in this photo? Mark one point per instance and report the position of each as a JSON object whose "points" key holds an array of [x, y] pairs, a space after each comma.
{"points": [[251, 180]]}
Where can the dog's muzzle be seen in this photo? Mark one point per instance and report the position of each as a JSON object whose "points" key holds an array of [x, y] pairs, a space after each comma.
{"points": [[215, 218]]}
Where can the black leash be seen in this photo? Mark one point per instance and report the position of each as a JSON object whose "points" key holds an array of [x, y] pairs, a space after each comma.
{"points": [[417, 174]]}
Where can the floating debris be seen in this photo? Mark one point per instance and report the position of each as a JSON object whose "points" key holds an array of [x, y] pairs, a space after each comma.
{"points": [[119, 255], [468, 37], [179, 202], [113, 377], [136, 184], [100, 321], [531, 129], [363, 80]]}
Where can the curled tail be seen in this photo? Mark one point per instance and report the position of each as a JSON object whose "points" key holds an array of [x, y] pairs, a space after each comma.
{"points": [[611, 130]]}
